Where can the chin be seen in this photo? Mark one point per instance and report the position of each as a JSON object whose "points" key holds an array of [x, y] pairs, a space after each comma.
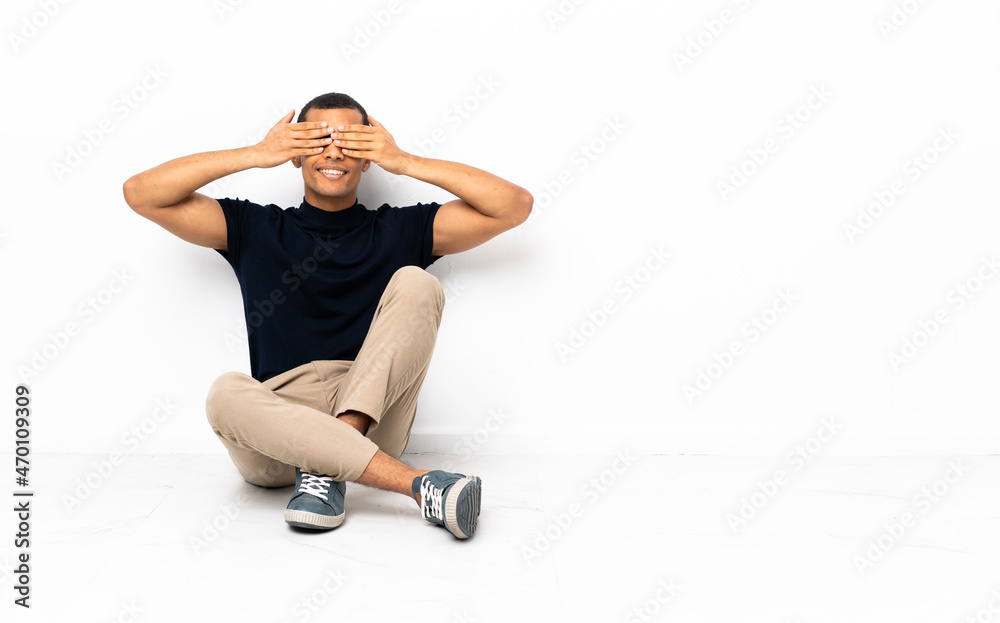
{"points": [[337, 193]]}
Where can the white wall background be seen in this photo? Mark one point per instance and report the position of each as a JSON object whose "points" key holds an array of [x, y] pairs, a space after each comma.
{"points": [[217, 79]]}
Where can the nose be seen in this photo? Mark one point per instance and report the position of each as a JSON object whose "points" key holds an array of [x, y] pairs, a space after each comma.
{"points": [[333, 152]]}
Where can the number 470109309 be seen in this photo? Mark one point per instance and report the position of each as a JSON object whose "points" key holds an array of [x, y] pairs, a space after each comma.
{"points": [[22, 443]]}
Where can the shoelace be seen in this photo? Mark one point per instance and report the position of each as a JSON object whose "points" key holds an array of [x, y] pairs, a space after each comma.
{"points": [[314, 484], [431, 498]]}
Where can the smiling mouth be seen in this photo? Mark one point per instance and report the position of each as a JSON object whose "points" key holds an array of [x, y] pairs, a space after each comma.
{"points": [[332, 174]]}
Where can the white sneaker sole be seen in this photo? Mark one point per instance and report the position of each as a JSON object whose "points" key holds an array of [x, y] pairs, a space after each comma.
{"points": [[462, 519], [314, 521]]}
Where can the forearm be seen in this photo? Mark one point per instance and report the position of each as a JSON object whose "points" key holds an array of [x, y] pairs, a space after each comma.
{"points": [[487, 193], [175, 180]]}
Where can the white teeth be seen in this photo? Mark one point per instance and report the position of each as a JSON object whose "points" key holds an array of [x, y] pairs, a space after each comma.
{"points": [[331, 172]]}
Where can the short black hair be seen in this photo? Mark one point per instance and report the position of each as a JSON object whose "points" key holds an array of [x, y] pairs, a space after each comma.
{"points": [[329, 101]]}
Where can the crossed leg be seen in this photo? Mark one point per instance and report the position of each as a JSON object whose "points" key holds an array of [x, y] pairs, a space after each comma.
{"points": [[348, 420]]}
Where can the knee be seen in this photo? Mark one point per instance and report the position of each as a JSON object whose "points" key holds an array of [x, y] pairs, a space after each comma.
{"points": [[275, 474], [420, 286], [222, 394]]}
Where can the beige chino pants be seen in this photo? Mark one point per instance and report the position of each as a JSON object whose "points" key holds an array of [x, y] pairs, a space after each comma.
{"points": [[290, 420]]}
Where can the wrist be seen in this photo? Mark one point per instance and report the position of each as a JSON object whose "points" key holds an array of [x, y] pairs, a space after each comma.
{"points": [[247, 157], [410, 164]]}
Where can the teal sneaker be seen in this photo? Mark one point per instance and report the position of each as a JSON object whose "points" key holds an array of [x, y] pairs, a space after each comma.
{"points": [[318, 502], [450, 500]]}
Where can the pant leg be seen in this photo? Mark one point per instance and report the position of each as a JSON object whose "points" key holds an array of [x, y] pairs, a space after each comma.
{"points": [[390, 368], [271, 427], [287, 421]]}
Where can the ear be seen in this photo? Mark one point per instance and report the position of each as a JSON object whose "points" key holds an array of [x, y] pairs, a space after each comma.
{"points": [[297, 161], [364, 167]]}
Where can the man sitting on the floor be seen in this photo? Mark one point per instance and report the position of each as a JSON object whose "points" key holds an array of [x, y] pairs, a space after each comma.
{"points": [[341, 315]]}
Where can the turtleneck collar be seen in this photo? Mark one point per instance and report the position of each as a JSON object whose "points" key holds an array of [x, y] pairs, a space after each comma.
{"points": [[341, 219]]}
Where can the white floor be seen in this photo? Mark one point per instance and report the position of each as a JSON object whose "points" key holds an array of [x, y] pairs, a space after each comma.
{"points": [[183, 538]]}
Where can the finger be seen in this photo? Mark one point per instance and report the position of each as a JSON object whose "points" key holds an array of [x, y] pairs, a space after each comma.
{"points": [[367, 129], [356, 137], [288, 118], [357, 145], [376, 124], [308, 152], [312, 128], [316, 135], [322, 143]]}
